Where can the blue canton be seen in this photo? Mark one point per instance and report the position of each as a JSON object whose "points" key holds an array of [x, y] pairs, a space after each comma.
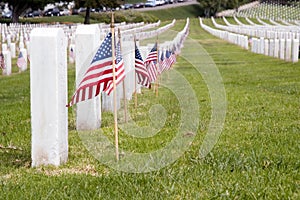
{"points": [[105, 50]]}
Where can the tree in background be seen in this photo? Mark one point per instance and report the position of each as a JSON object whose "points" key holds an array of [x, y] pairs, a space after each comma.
{"points": [[20, 6], [88, 4], [211, 7]]}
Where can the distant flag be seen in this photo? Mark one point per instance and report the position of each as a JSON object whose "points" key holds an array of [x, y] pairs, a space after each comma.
{"points": [[2, 63], [170, 59], [71, 53], [150, 63], [152, 56], [140, 70], [162, 62], [21, 62], [152, 71], [98, 74], [173, 57], [120, 70]]}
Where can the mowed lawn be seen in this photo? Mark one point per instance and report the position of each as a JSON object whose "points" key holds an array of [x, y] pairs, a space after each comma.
{"points": [[256, 156]]}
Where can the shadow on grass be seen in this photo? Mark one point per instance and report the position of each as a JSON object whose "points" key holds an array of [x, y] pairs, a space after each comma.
{"points": [[14, 158]]}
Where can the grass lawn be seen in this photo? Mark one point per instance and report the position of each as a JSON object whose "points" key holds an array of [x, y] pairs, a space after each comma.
{"points": [[256, 156]]}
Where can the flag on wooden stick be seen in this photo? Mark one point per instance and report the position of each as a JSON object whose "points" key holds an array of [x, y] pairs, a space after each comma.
{"points": [[150, 63], [21, 62], [2, 62], [120, 70], [140, 70], [71, 53], [152, 56], [98, 74]]}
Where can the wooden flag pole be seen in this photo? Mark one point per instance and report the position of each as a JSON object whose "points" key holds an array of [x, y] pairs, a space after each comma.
{"points": [[135, 83], [114, 86], [124, 88]]}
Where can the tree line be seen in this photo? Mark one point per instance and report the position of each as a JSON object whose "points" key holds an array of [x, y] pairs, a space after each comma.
{"points": [[20, 6], [210, 7]]}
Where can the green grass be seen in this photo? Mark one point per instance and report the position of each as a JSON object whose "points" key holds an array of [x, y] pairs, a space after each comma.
{"points": [[183, 12], [256, 156], [55, 19]]}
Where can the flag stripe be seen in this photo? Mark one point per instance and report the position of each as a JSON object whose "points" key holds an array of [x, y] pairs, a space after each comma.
{"points": [[97, 75]]}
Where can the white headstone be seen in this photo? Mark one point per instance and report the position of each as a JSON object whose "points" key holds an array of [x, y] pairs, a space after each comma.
{"points": [[21, 45], [276, 48], [295, 50], [262, 45], [13, 50], [288, 49], [271, 47], [281, 48], [8, 37], [87, 40], [266, 47], [4, 47], [48, 89], [7, 61], [24, 53]]}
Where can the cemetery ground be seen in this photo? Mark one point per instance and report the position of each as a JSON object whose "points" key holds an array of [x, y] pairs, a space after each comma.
{"points": [[256, 156]]}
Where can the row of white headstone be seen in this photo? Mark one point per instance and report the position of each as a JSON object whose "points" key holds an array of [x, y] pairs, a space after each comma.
{"points": [[270, 10], [48, 86], [285, 49], [139, 33], [266, 31], [238, 39], [16, 38]]}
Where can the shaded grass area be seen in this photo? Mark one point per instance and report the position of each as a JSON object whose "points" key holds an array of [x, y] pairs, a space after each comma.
{"points": [[256, 157]]}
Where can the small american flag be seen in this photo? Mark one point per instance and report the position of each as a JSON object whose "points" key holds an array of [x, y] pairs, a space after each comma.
{"points": [[140, 70], [152, 56], [98, 74], [21, 62], [152, 71], [162, 62], [150, 63], [119, 70], [71, 53], [169, 59], [2, 63]]}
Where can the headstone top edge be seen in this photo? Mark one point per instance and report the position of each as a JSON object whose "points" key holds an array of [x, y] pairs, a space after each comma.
{"points": [[87, 29], [46, 31]]}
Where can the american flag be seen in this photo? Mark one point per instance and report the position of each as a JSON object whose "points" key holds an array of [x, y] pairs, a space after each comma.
{"points": [[98, 74], [2, 63], [21, 62], [162, 62], [150, 63], [169, 59], [152, 71], [119, 70], [71, 53], [140, 70], [152, 56], [173, 57]]}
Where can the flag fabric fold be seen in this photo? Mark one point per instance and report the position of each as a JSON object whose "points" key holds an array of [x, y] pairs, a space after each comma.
{"points": [[162, 62], [98, 74], [21, 62], [140, 70], [2, 62], [119, 70], [150, 63]]}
